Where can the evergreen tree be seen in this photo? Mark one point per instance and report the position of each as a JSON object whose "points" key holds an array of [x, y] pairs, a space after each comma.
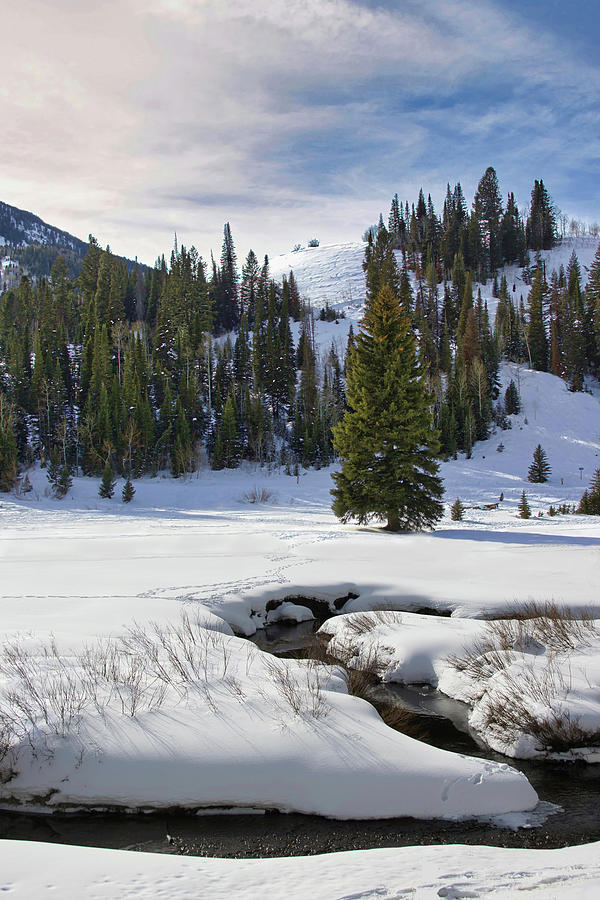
{"points": [[8, 446], [107, 485], [227, 313], [539, 470], [523, 507], [541, 224], [53, 470], [385, 440], [64, 482], [487, 209], [227, 450], [592, 292], [457, 511], [575, 332], [589, 504], [512, 401], [249, 287], [537, 340], [512, 234], [128, 491]]}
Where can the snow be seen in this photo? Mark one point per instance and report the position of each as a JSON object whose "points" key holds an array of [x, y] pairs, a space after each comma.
{"points": [[192, 717], [289, 612], [36, 870], [85, 569], [410, 648], [330, 274], [534, 675]]}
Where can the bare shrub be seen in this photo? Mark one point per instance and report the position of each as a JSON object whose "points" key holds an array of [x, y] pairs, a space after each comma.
{"points": [[300, 695], [481, 660], [365, 672], [528, 699], [258, 495], [558, 628], [527, 702], [402, 719]]}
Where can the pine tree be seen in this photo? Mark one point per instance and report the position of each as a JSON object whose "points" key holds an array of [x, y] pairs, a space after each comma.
{"points": [[63, 483], [385, 440], [537, 340], [457, 511], [524, 508], [227, 451], [541, 224], [512, 401], [8, 445], [589, 504], [539, 470], [487, 208], [107, 485], [592, 292], [53, 470], [128, 492]]}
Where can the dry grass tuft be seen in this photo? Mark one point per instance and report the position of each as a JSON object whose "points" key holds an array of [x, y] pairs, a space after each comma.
{"points": [[528, 700], [258, 495], [358, 624]]}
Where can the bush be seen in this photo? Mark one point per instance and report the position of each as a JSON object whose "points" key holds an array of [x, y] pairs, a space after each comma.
{"points": [[314, 242], [528, 699], [258, 495]]}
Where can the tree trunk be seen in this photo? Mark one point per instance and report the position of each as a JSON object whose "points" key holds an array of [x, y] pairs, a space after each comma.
{"points": [[393, 521]]}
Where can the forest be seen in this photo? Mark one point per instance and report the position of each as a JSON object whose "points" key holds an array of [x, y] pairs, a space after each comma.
{"points": [[131, 370]]}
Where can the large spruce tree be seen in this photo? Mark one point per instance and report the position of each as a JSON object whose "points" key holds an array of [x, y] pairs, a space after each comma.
{"points": [[385, 440]]}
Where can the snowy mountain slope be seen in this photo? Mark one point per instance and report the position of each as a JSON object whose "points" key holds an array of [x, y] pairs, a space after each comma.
{"points": [[333, 273], [330, 274], [19, 227]]}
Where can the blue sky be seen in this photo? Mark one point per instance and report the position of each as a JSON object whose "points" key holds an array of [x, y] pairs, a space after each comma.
{"points": [[290, 118]]}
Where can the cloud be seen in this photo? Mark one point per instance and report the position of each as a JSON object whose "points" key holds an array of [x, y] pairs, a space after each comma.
{"points": [[135, 118]]}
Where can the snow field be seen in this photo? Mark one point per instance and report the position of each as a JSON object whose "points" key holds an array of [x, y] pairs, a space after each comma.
{"points": [[35, 870]]}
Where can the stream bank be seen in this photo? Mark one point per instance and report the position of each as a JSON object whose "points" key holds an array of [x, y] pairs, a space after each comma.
{"points": [[574, 787]]}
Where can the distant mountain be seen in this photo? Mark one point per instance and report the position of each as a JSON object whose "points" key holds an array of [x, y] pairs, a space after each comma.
{"points": [[19, 227], [33, 246]]}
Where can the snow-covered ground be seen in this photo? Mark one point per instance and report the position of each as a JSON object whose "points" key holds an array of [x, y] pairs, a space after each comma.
{"points": [[333, 273], [85, 569], [455, 871]]}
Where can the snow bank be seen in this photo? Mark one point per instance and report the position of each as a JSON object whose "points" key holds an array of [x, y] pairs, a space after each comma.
{"points": [[36, 870], [186, 716], [408, 648], [533, 686]]}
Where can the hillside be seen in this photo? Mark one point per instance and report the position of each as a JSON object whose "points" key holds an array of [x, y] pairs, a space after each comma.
{"points": [[333, 273], [31, 247], [19, 227]]}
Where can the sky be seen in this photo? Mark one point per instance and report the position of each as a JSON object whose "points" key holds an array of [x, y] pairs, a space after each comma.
{"points": [[291, 119]]}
